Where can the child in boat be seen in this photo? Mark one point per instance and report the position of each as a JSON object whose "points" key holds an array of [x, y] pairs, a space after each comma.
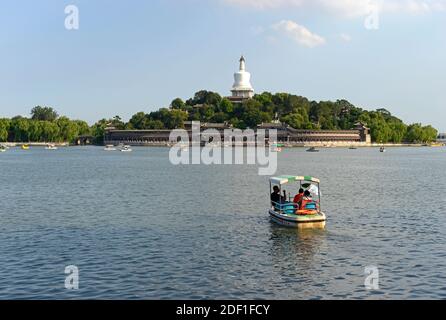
{"points": [[306, 200], [298, 198]]}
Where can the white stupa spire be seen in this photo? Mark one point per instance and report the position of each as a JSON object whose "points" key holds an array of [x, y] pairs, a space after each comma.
{"points": [[242, 64]]}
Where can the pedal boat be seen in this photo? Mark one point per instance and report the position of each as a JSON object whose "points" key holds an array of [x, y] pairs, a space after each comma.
{"points": [[110, 147], [51, 147], [288, 214]]}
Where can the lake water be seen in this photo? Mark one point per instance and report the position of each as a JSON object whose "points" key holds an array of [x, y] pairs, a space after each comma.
{"points": [[138, 227]]}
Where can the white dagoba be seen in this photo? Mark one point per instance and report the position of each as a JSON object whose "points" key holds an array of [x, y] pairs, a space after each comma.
{"points": [[242, 88]]}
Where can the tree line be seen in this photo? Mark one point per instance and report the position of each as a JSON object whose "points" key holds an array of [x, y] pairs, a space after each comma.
{"points": [[298, 112], [45, 125]]}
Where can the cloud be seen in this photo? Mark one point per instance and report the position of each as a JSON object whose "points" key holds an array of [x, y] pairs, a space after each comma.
{"points": [[414, 6], [348, 8], [298, 33]]}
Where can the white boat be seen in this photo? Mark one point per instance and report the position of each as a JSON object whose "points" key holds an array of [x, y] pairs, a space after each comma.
{"points": [[109, 147], [289, 214], [126, 149], [51, 147], [382, 149], [3, 149]]}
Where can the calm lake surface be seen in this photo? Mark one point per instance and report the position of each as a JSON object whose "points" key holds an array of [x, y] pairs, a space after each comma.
{"points": [[138, 227]]}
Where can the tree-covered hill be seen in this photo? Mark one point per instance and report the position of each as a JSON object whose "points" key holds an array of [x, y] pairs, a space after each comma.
{"points": [[295, 111]]}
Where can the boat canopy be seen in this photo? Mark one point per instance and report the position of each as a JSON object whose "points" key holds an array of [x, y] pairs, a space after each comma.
{"points": [[281, 180]]}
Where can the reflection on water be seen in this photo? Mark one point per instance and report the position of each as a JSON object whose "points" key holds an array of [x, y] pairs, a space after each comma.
{"points": [[292, 247], [139, 228]]}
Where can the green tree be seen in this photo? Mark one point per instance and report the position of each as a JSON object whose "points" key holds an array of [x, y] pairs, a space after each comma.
{"points": [[68, 129], [398, 129], [35, 131], [83, 127], [43, 114], [220, 117], [294, 120], [250, 114], [4, 129], [50, 132], [20, 129], [178, 104], [205, 97], [98, 130], [430, 134], [138, 121], [175, 119], [226, 106], [118, 123], [207, 112], [154, 125], [266, 99]]}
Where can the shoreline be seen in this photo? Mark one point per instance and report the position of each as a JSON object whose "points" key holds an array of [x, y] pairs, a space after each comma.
{"points": [[284, 145], [35, 144]]}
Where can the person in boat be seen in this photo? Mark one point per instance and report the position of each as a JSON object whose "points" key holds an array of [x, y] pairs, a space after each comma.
{"points": [[276, 197], [298, 198], [306, 200]]}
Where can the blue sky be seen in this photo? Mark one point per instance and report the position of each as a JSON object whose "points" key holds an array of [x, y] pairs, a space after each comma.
{"points": [[136, 55]]}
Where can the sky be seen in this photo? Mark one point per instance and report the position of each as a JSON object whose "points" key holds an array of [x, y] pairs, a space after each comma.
{"points": [[138, 55]]}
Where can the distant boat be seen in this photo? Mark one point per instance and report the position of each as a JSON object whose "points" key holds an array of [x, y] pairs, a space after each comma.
{"points": [[25, 147], [51, 147], [3, 149], [353, 148], [382, 149], [126, 149], [436, 144], [109, 147], [276, 147], [312, 149]]}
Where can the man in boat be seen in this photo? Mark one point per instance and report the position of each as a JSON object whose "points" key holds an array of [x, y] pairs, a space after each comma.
{"points": [[298, 198], [276, 198]]}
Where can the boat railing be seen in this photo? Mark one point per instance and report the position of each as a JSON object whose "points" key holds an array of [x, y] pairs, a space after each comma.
{"points": [[286, 207], [290, 207]]}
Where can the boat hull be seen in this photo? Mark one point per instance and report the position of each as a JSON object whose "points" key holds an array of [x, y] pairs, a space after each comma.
{"points": [[301, 222]]}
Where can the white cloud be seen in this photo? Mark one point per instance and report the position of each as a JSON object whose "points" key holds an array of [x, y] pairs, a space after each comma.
{"points": [[348, 8], [298, 33]]}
